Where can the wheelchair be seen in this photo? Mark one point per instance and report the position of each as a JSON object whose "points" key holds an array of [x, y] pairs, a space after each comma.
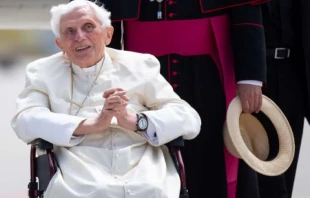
{"points": [[43, 167]]}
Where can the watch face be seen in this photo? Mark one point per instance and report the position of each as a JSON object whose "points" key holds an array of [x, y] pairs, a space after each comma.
{"points": [[142, 123]]}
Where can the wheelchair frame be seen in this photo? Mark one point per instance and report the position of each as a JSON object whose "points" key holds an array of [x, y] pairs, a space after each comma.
{"points": [[40, 177]]}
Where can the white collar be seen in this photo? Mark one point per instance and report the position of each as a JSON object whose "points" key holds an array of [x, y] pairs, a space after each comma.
{"points": [[105, 63]]}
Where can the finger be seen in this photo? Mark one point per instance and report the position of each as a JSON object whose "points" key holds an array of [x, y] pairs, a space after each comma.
{"points": [[256, 103], [260, 103], [113, 99], [118, 93], [109, 92], [108, 112], [251, 101], [121, 94], [246, 107], [244, 104], [124, 97], [119, 99], [119, 107], [109, 104], [113, 103]]}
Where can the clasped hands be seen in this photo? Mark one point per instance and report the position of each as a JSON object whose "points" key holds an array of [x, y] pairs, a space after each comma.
{"points": [[115, 105]]}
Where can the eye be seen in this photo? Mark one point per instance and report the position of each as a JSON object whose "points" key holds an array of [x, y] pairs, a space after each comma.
{"points": [[88, 27], [69, 31]]}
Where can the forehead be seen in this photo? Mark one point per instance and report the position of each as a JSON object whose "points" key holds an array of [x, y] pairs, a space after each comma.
{"points": [[77, 16]]}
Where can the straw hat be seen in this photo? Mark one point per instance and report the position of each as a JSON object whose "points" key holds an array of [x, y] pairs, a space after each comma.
{"points": [[246, 138]]}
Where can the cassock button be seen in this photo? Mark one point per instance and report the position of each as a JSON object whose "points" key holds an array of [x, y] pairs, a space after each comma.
{"points": [[174, 73], [175, 85], [170, 15], [174, 61], [129, 191], [170, 2]]}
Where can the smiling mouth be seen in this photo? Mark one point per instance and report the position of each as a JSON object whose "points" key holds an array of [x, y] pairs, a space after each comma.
{"points": [[81, 48]]}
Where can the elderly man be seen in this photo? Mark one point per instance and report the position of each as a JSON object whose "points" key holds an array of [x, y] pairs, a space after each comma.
{"points": [[108, 112]]}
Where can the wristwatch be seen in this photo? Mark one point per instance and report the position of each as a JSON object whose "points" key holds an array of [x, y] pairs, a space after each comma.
{"points": [[142, 122]]}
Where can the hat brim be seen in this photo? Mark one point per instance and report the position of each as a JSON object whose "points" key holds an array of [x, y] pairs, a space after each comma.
{"points": [[285, 156]]}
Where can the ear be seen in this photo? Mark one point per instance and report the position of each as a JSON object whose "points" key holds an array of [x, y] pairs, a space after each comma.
{"points": [[57, 41], [110, 31]]}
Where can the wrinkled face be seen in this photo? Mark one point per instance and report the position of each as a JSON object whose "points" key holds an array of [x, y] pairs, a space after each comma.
{"points": [[82, 37]]}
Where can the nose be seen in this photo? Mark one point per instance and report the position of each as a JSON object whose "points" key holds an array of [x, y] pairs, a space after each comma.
{"points": [[80, 35]]}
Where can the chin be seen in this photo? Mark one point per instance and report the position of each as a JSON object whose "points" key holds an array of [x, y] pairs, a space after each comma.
{"points": [[86, 64], [85, 61]]}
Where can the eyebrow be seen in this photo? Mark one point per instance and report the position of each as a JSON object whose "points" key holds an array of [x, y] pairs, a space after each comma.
{"points": [[85, 21]]}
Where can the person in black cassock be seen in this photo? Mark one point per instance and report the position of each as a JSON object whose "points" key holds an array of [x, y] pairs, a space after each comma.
{"points": [[287, 31], [209, 50]]}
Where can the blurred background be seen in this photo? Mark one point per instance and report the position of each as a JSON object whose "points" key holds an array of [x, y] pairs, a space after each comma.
{"points": [[17, 49], [24, 37]]}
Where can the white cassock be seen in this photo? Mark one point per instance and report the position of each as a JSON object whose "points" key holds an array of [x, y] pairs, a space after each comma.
{"points": [[115, 163]]}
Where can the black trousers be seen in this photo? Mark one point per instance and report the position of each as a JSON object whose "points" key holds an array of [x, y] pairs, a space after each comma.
{"points": [[196, 80], [286, 87]]}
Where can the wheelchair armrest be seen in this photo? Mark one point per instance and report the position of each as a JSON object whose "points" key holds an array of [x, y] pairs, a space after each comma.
{"points": [[175, 152], [42, 167], [42, 144], [179, 142]]}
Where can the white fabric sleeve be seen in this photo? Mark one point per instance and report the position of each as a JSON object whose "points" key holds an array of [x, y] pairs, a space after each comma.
{"points": [[251, 82], [34, 118], [150, 135], [171, 116]]}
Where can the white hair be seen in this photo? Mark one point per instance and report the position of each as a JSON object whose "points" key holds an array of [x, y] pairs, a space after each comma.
{"points": [[57, 11]]}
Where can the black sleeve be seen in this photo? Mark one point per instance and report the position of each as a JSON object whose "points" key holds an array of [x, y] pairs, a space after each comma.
{"points": [[248, 43], [116, 41], [121, 10]]}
